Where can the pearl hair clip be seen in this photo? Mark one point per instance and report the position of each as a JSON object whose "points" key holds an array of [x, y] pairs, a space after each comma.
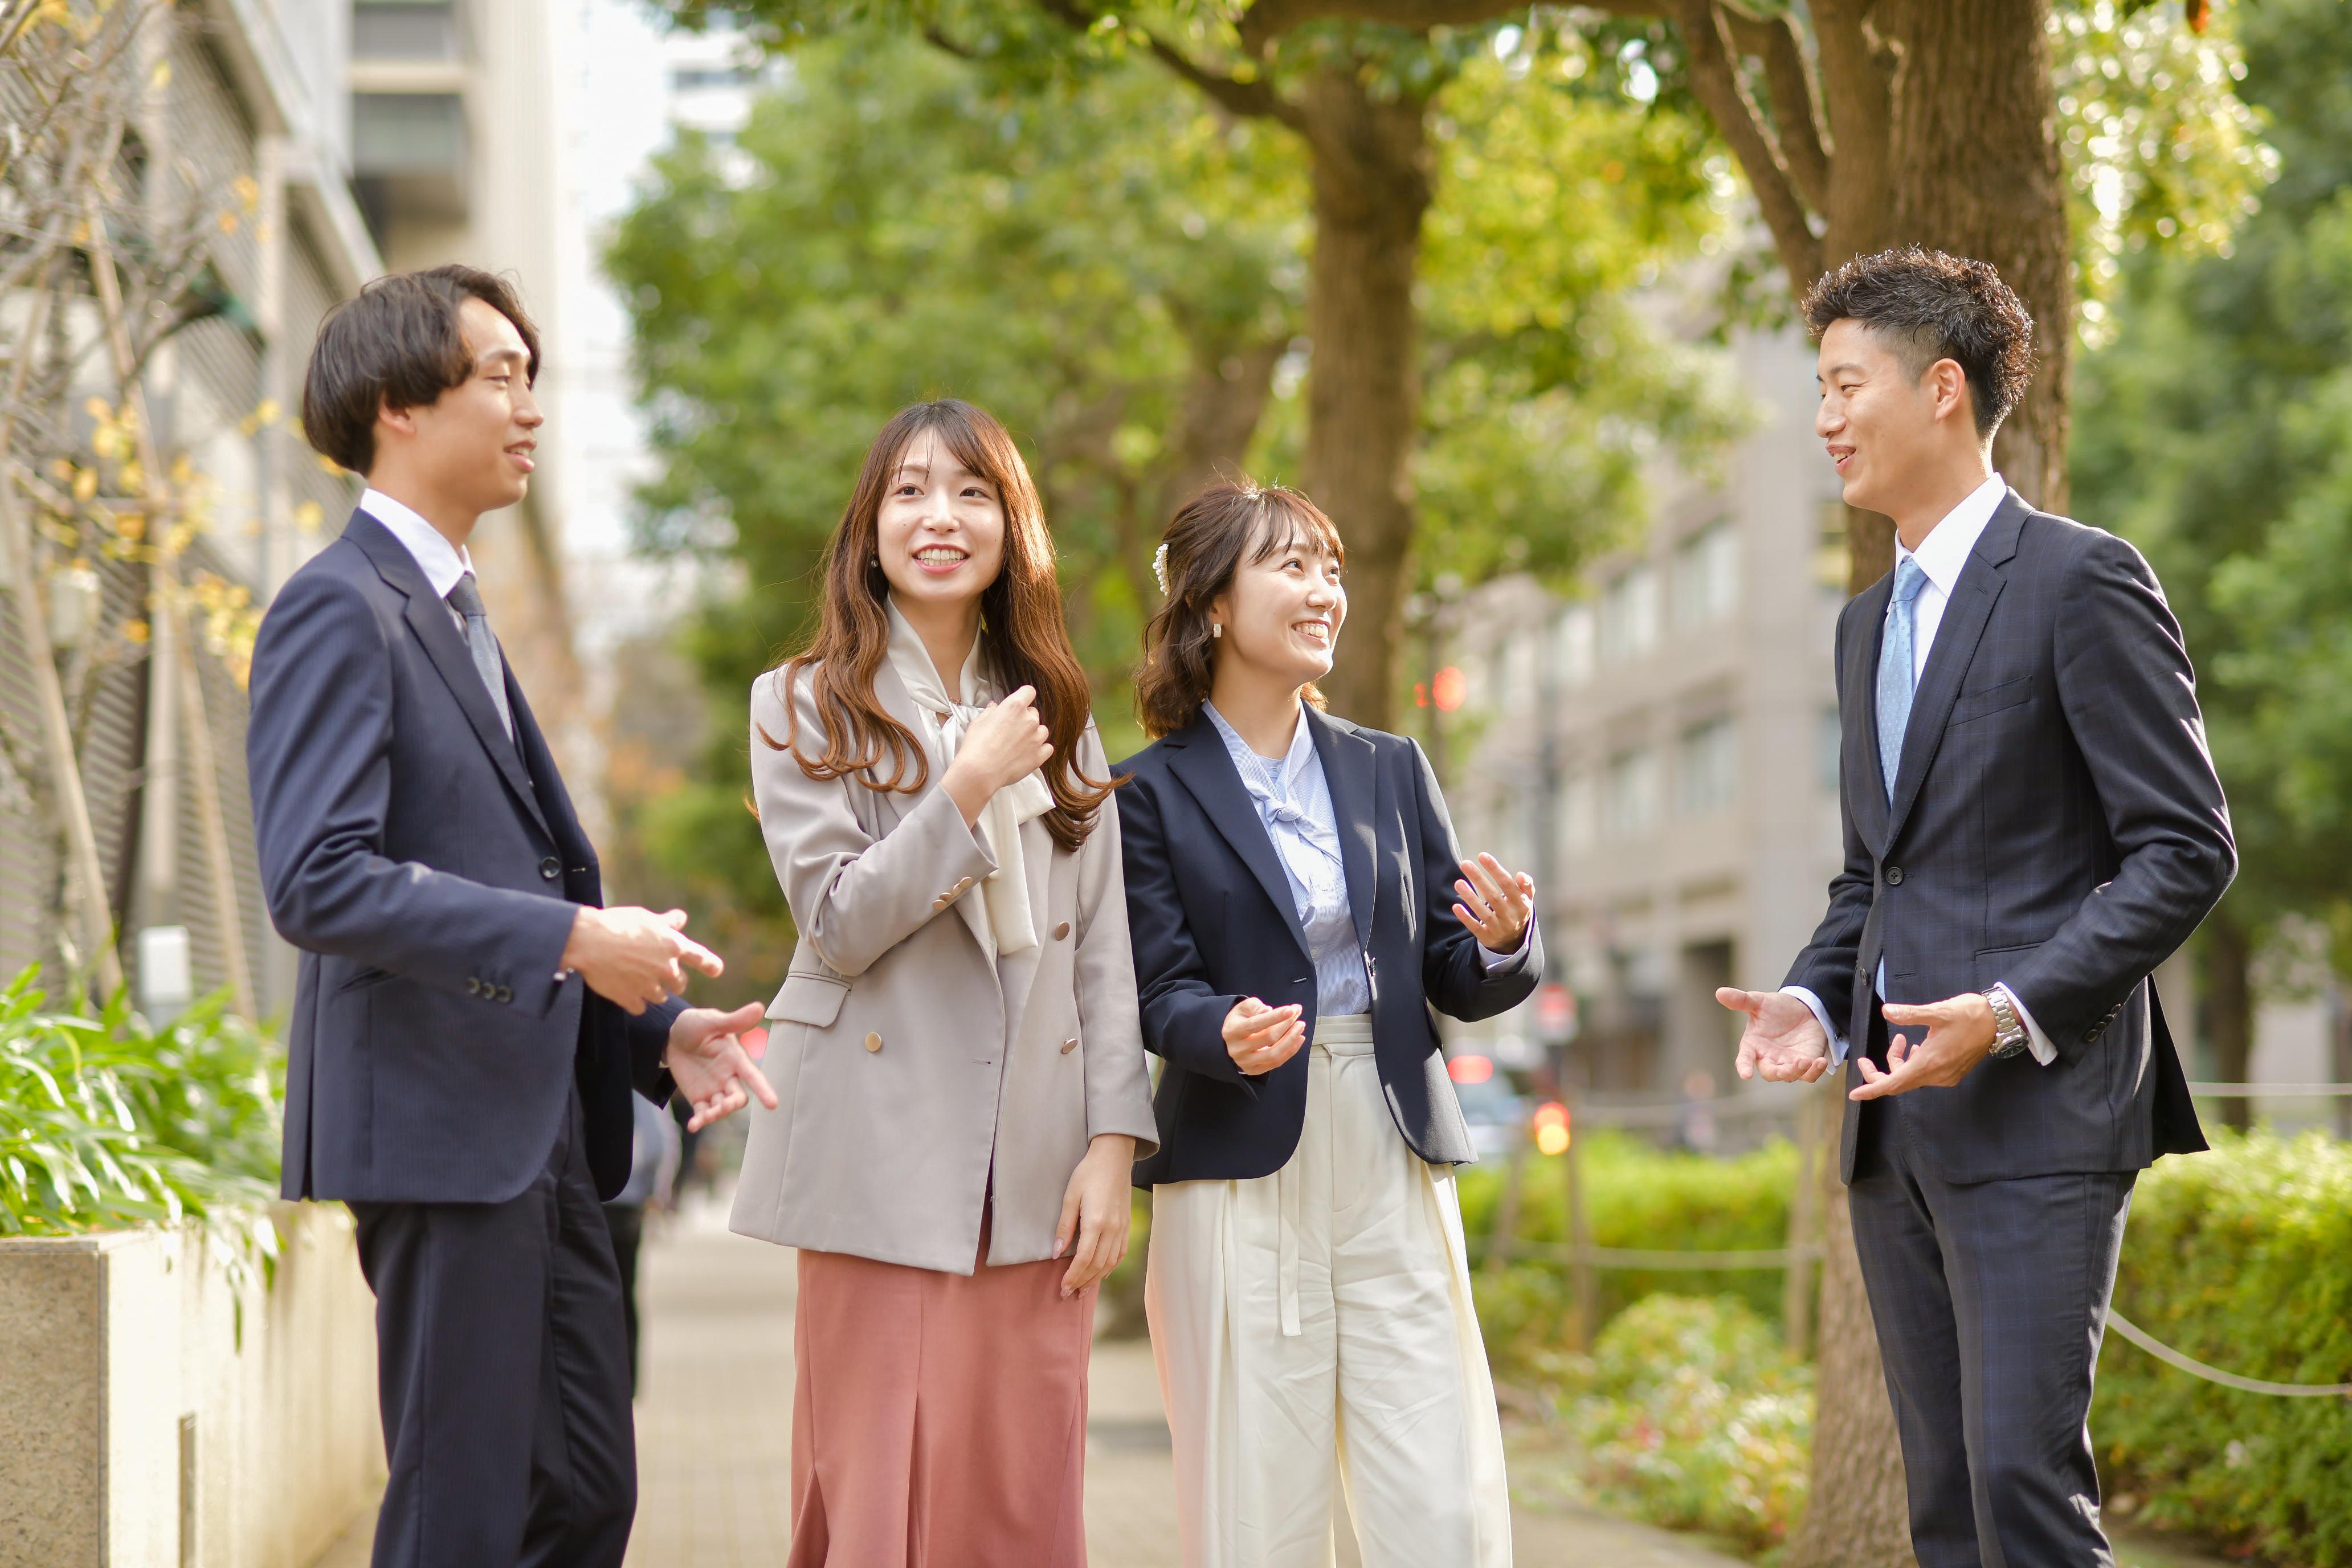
{"points": [[1159, 568]]}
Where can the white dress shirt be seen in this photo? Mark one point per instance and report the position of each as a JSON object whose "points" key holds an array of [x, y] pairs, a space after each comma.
{"points": [[1941, 556], [1293, 797], [441, 561]]}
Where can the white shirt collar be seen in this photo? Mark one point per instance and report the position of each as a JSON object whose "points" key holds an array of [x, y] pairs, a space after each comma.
{"points": [[1250, 766], [442, 562], [1946, 549]]}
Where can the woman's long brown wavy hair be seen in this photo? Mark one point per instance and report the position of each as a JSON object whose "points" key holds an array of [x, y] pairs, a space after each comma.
{"points": [[1022, 631], [1207, 542]]}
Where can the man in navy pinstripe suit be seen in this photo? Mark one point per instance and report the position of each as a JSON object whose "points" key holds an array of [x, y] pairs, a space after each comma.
{"points": [[2032, 824]]}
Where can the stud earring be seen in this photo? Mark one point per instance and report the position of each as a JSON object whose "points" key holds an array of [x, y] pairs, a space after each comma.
{"points": [[1216, 628], [875, 561]]}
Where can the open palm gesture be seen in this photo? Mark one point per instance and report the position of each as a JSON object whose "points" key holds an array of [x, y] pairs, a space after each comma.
{"points": [[1783, 1041]]}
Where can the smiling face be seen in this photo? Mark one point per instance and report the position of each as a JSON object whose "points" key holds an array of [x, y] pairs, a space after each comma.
{"points": [[1283, 610], [1887, 426], [941, 528], [473, 447]]}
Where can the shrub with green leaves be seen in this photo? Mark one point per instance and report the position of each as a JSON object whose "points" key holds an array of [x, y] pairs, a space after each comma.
{"points": [[108, 1121], [1635, 1195], [2242, 1258], [1689, 1414]]}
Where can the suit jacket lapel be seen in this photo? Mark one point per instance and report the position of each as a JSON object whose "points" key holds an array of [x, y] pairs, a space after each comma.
{"points": [[1962, 629], [428, 617], [1350, 770], [1207, 770], [1867, 783]]}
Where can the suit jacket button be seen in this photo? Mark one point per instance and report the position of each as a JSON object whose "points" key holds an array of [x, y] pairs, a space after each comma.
{"points": [[1069, 1046], [506, 994], [1894, 875], [873, 1042], [1062, 931], [551, 868], [473, 987], [941, 902]]}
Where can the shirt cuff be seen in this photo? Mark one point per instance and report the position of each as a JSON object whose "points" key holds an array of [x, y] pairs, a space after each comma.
{"points": [[1837, 1041], [1498, 962], [2036, 1041]]}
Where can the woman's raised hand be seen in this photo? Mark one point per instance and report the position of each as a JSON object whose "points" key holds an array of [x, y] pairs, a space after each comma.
{"points": [[1496, 905], [1261, 1038], [1007, 742]]}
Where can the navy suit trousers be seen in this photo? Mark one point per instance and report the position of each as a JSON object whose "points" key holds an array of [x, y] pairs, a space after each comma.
{"points": [[503, 1374], [1990, 1300]]}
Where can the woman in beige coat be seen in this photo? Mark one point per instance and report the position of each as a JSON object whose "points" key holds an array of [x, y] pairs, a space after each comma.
{"points": [[959, 1069]]}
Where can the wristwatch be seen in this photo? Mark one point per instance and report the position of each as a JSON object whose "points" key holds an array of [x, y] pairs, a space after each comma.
{"points": [[2008, 1036]]}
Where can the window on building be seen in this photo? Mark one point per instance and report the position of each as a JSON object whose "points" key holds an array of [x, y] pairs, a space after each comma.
{"points": [[1577, 827], [1707, 768], [1575, 646], [1629, 803], [695, 78], [1629, 616], [1706, 583]]}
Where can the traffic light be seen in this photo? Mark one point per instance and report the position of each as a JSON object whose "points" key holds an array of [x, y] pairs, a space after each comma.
{"points": [[1551, 1128]]}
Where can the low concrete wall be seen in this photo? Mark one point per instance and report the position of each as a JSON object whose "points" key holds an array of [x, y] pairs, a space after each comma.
{"points": [[154, 1414]]}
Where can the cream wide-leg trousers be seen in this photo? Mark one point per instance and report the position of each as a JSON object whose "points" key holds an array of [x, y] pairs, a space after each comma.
{"points": [[1316, 1324]]}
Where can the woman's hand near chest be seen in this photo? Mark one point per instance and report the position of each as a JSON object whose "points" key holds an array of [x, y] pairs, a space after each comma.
{"points": [[1005, 744], [1096, 1209]]}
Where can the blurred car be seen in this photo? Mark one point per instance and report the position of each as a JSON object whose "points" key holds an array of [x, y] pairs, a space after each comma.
{"points": [[1497, 1116]]}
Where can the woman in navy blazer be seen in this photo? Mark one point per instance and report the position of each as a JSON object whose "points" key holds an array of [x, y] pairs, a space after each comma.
{"points": [[1300, 912]]}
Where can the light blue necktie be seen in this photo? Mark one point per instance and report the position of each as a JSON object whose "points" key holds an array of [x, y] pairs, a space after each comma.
{"points": [[1894, 676]]}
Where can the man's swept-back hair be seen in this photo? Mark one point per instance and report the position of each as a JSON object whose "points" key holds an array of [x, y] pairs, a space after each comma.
{"points": [[1930, 306], [397, 342], [1232, 524], [1022, 631]]}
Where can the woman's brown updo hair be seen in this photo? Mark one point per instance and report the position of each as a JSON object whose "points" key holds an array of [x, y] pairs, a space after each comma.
{"points": [[1207, 543]]}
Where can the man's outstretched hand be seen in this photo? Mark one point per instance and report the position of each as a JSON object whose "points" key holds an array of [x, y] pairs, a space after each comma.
{"points": [[635, 957], [1784, 1042], [705, 1056], [1955, 1034]]}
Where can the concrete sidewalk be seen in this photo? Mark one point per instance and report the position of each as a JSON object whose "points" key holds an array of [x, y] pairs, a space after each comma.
{"points": [[714, 1431]]}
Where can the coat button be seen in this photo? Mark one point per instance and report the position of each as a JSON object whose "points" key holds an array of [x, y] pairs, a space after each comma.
{"points": [[1062, 931], [506, 994], [1894, 875], [873, 1042], [941, 902], [1069, 1046], [473, 987], [551, 868]]}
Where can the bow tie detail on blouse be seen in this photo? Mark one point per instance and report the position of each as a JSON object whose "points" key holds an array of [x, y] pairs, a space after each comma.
{"points": [[1000, 915]]}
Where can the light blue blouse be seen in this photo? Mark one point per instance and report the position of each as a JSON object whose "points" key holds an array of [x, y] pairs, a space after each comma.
{"points": [[1294, 801]]}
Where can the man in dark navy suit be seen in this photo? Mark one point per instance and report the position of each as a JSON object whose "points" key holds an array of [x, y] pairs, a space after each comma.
{"points": [[2032, 824], [469, 1022]]}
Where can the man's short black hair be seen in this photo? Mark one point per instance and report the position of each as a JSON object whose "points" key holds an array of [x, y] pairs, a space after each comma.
{"points": [[1930, 306], [397, 342]]}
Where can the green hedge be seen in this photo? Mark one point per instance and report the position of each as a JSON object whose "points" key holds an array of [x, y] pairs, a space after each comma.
{"points": [[1635, 1195], [107, 1122], [2242, 1258]]}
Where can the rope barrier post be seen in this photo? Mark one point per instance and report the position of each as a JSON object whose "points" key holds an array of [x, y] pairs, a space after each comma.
{"points": [[1580, 1233]]}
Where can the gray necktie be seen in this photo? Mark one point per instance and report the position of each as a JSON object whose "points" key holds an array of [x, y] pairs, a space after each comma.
{"points": [[1894, 675], [466, 600]]}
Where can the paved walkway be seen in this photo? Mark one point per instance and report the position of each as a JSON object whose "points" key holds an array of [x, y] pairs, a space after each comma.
{"points": [[714, 1429]]}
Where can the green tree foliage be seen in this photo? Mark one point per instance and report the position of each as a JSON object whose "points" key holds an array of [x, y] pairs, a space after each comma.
{"points": [[1117, 272], [2213, 430]]}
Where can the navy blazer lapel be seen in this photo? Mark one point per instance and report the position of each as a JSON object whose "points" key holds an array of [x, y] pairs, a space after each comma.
{"points": [[1350, 769], [1867, 779], [1201, 762], [1957, 636], [428, 617]]}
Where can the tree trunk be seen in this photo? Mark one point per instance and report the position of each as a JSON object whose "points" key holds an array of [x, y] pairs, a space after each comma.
{"points": [[1959, 94], [1859, 1515], [2225, 955], [1369, 158], [1974, 169]]}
